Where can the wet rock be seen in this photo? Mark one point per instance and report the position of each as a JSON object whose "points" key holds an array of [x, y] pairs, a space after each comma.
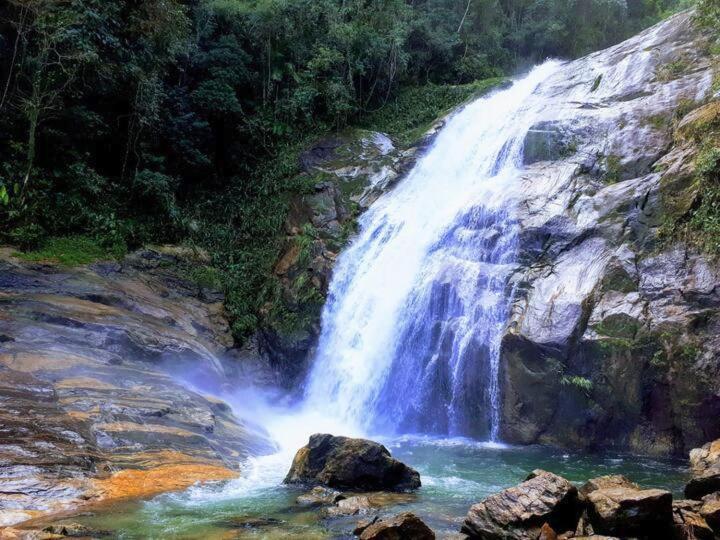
{"points": [[345, 463], [364, 524], [548, 141], [352, 506], [597, 297], [87, 386], [520, 512], [547, 533], [406, 526], [320, 496], [710, 511], [607, 482], [705, 464], [688, 522], [76, 530], [628, 511], [250, 522]]}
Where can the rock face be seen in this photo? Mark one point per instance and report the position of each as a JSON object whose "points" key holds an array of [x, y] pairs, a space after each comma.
{"points": [[89, 410], [354, 464], [520, 512], [705, 463], [406, 526], [614, 335], [348, 172]]}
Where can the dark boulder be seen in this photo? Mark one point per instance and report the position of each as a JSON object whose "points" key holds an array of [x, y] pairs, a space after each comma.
{"points": [[607, 482], [710, 511], [355, 464], [705, 463], [520, 512], [628, 511], [688, 523], [406, 526]]}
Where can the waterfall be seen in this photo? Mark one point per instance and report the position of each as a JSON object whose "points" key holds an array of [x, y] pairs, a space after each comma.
{"points": [[418, 303]]}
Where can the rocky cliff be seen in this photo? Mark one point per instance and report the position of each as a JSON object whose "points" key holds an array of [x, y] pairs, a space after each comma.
{"points": [[90, 408], [613, 338]]}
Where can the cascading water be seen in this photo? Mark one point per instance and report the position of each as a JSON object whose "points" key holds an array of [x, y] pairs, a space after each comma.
{"points": [[418, 303]]}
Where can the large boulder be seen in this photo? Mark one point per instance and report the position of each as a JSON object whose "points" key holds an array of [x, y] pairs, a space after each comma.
{"points": [[519, 513], [705, 464], [355, 464], [406, 526], [607, 482], [629, 511], [688, 522], [710, 511]]}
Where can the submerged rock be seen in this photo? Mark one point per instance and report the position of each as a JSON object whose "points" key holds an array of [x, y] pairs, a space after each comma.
{"points": [[345, 463], [705, 464], [406, 526], [352, 506], [519, 513], [320, 496]]}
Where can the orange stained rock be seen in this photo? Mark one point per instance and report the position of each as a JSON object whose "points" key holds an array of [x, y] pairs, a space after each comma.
{"points": [[134, 483], [43, 361], [85, 382]]}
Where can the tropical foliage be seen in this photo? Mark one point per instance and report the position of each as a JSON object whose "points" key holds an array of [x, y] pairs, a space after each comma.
{"points": [[167, 120]]}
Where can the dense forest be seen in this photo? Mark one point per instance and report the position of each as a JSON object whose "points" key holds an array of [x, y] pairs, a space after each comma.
{"points": [[139, 121]]}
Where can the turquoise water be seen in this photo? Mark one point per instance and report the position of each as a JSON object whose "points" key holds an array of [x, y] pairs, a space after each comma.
{"points": [[455, 473]]}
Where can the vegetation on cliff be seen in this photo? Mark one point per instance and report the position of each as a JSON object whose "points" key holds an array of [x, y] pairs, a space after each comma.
{"points": [[169, 120]]}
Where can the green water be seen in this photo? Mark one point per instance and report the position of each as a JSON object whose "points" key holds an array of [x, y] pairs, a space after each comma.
{"points": [[455, 474]]}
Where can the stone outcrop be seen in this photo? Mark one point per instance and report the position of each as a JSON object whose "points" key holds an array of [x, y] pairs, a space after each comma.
{"points": [[547, 507], [705, 464], [519, 513], [689, 523], [630, 512], [405, 526], [353, 464], [710, 511], [348, 172], [89, 409], [614, 334]]}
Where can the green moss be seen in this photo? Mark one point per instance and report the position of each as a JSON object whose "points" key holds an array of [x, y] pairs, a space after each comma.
{"points": [[413, 111], [583, 384], [73, 251], [672, 70], [619, 280], [208, 277], [613, 169], [658, 121]]}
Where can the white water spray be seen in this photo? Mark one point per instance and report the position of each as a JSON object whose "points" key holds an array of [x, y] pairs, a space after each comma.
{"points": [[418, 303]]}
